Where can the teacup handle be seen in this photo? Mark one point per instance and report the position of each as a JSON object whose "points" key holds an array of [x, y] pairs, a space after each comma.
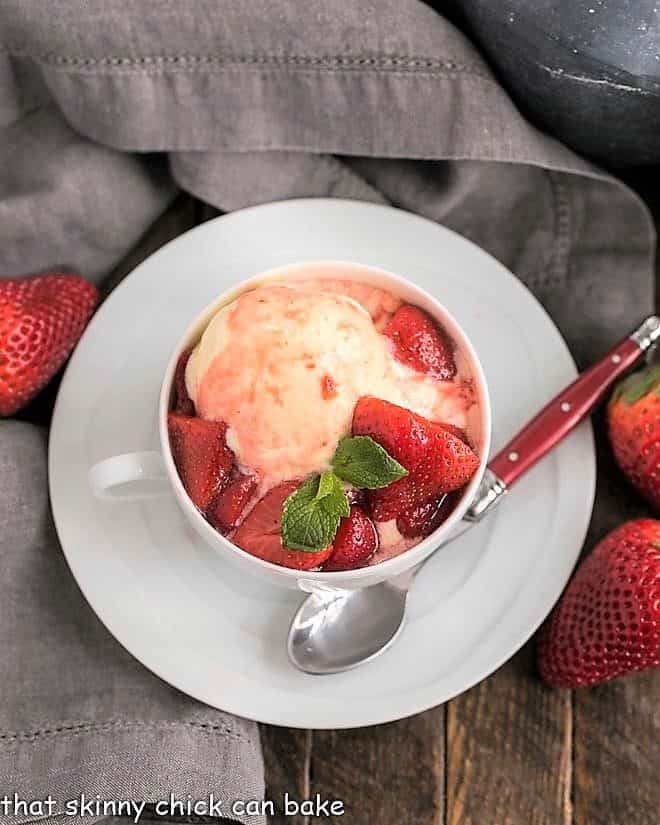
{"points": [[130, 477]]}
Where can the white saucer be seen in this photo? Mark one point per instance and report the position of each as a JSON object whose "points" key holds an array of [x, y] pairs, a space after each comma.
{"points": [[189, 617]]}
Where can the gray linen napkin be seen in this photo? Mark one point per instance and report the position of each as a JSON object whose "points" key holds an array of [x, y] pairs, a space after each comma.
{"points": [[248, 101], [78, 714]]}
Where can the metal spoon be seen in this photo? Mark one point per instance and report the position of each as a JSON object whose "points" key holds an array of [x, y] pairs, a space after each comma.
{"points": [[318, 641], [336, 629]]}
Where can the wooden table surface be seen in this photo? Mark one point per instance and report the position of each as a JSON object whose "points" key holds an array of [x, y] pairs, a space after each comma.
{"points": [[510, 751]]}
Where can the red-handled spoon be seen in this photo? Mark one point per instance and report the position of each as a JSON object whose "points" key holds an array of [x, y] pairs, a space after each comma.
{"points": [[561, 415], [335, 629]]}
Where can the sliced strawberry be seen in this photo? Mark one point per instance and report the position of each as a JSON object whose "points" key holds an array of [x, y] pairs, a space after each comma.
{"points": [[420, 343], [260, 532], [422, 519], [227, 507], [437, 460], [459, 432], [201, 455], [355, 543], [182, 401]]}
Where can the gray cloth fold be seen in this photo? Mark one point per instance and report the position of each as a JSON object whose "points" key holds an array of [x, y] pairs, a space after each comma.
{"points": [[256, 101], [248, 101]]}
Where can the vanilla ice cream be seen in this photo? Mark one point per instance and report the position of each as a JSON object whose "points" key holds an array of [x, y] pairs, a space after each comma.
{"points": [[284, 365]]}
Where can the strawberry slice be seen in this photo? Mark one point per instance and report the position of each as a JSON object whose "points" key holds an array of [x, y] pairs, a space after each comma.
{"points": [[355, 543], [182, 401], [459, 432], [422, 519], [201, 455], [227, 507], [41, 320], [436, 459], [260, 532], [420, 343]]}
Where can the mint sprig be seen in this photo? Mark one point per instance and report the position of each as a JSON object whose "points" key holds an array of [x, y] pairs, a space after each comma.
{"points": [[311, 514], [365, 464]]}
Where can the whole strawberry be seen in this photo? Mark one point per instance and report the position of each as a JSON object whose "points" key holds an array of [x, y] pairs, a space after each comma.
{"points": [[607, 623], [633, 416], [41, 320]]}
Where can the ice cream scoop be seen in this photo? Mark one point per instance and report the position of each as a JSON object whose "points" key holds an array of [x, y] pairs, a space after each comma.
{"points": [[284, 365]]}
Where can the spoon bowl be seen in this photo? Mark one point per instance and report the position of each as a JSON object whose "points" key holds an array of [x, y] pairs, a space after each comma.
{"points": [[336, 630]]}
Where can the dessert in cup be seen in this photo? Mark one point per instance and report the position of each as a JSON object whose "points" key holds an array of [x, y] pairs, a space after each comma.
{"points": [[325, 421]]}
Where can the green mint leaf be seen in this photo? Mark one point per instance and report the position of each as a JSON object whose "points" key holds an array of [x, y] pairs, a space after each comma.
{"points": [[365, 464], [332, 490], [326, 484], [311, 514]]}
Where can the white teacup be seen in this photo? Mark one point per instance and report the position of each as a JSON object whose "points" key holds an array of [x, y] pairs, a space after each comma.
{"points": [[142, 475]]}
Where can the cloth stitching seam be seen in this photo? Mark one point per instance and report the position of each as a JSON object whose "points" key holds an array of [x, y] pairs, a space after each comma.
{"points": [[559, 262], [390, 62], [553, 272], [92, 727]]}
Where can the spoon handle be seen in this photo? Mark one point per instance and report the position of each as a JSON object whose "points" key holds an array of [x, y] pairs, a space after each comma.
{"points": [[560, 416]]}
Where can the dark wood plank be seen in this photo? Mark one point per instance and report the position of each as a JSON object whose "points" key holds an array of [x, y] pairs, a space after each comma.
{"points": [[617, 725], [287, 754], [509, 750], [386, 775], [617, 752]]}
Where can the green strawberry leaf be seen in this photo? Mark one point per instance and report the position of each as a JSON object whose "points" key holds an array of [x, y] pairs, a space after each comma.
{"points": [[637, 385], [311, 514], [365, 464]]}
